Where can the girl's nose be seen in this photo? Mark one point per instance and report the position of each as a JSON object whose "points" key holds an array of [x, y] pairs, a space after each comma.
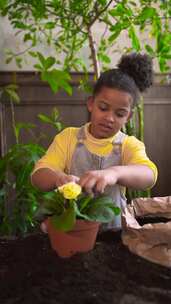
{"points": [[110, 117]]}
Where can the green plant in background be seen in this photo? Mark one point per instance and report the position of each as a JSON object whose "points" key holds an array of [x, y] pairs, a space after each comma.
{"points": [[66, 27], [19, 200], [53, 120]]}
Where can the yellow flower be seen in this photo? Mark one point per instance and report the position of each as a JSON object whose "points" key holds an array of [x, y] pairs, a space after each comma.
{"points": [[70, 190]]}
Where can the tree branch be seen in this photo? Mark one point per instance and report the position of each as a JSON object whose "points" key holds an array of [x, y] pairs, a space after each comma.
{"points": [[99, 13], [94, 54]]}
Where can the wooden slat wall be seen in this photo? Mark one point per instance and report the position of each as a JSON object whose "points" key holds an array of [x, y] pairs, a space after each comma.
{"points": [[36, 97], [157, 122]]}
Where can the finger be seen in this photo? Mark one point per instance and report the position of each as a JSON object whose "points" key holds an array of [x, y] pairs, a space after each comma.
{"points": [[83, 180], [100, 186], [61, 182], [90, 184], [73, 178]]}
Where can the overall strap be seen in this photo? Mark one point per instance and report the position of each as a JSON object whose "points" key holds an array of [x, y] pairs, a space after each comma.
{"points": [[119, 138], [117, 142], [81, 135]]}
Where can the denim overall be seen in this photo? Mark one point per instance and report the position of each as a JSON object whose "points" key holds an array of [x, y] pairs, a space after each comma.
{"points": [[83, 160]]}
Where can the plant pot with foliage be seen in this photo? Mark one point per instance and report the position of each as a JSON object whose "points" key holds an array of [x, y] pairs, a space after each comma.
{"points": [[73, 218]]}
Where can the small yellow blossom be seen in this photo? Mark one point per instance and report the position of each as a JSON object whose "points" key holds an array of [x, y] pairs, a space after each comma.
{"points": [[70, 190]]}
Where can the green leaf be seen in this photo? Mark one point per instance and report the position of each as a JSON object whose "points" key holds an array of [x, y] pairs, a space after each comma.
{"points": [[55, 114], [79, 214], [33, 54], [104, 58], [162, 64], [150, 50], [41, 58], [57, 80], [24, 173], [103, 210], [114, 35], [84, 202], [134, 39], [27, 37], [3, 4], [54, 202], [121, 10], [8, 60], [18, 61], [12, 86], [102, 2], [49, 62], [65, 221], [50, 25], [58, 126], [12, 94], [45, 118], [147, 13], [51, 79], [101, 214], [19, 25], [38, 67], [167, 56], [115, 29]]}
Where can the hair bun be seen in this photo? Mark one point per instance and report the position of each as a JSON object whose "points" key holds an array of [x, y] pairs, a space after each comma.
{"points": [[139, 67]]}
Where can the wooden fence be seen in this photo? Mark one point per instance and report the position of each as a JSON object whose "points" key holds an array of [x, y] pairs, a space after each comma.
{"points": [[36, 97]]}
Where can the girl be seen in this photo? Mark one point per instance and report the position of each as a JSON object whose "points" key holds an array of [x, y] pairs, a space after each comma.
{"points": [[98, 156]]}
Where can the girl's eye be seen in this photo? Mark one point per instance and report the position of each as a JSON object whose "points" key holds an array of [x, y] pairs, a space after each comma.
{"points": [[102, 108], [121, 114]]}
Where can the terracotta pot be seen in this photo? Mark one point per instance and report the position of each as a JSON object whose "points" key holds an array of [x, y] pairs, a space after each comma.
{"points": [[81, 239]]}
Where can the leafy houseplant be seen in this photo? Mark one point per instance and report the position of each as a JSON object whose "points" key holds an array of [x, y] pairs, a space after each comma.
{"points": [[18, 198], [72, 215]]}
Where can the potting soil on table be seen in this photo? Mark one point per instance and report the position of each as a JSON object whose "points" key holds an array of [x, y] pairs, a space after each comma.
{"points": [[32, 273]]}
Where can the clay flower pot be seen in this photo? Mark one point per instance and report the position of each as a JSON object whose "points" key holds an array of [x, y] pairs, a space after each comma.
{"points": [[81, 239]]}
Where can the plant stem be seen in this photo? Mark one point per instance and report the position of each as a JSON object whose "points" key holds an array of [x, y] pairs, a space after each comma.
{"points": [[94, 57], [140, 112], [13, 119], [99, 12]]}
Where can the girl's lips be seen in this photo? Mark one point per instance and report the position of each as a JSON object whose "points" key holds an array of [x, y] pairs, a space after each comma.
{"points": [[106, 127]]}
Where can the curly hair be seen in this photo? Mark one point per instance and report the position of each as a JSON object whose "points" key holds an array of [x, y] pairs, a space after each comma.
{"points": [[134, 74]]}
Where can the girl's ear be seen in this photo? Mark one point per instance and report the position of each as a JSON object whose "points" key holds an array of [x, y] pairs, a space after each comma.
{"points": [[130, 115], [90, 102]]}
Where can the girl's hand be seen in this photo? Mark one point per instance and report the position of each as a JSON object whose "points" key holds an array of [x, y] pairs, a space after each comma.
{"points": [[97, 180], [63, 178]]}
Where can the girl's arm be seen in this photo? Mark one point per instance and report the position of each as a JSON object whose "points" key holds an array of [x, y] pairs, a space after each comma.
{"points": [[132, 176], [47, 179]]}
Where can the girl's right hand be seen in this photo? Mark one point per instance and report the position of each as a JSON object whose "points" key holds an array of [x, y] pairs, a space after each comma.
{"points": [[63, 178]]}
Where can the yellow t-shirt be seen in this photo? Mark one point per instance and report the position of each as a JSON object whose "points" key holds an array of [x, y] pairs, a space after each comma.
{"points": [[59, 153]]}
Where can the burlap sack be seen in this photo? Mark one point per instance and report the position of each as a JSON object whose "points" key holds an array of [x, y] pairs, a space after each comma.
{"points": [[151, 241]]}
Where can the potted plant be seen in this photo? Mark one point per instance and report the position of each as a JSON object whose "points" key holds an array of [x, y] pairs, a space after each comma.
{"points": [[73, 218]]}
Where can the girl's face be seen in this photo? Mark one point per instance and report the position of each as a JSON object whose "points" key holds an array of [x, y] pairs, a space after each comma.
{"points": [[110, 109]]}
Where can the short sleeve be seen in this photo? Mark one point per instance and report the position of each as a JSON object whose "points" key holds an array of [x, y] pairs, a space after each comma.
{"points": [[134, 153], [56, 156]]}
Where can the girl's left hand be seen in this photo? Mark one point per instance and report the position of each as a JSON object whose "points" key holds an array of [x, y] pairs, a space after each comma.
{"points": [[97, 180]]}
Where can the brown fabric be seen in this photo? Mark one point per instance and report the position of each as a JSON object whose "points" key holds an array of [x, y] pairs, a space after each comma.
{"points": [[153, 240]]}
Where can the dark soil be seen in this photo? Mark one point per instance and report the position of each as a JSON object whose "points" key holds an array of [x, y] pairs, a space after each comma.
{"points": [[31, 273]]}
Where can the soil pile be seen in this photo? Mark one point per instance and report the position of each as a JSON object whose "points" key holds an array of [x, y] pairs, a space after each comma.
{"points": [[31, 273]]}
